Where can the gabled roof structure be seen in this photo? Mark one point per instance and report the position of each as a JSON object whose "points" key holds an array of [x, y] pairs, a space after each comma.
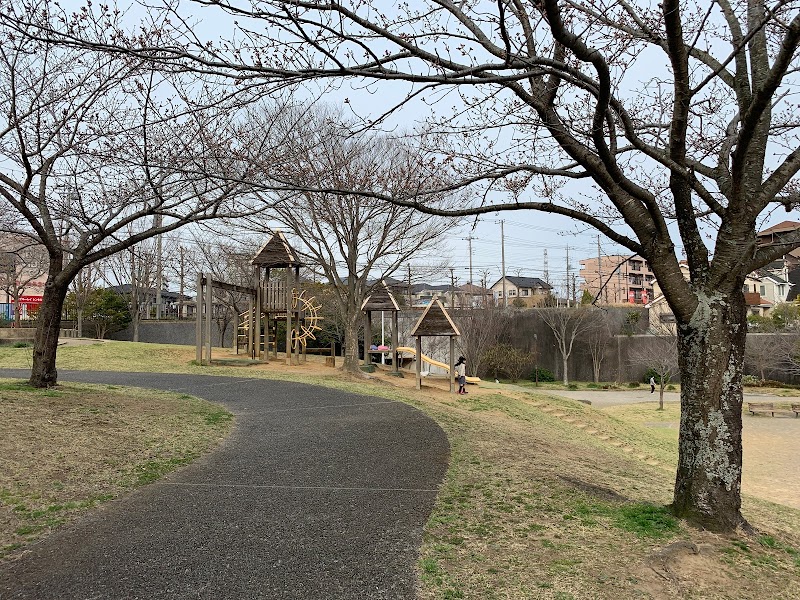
{"points": [[276, 252], [380, 299], [526, 282], [435, 321]]}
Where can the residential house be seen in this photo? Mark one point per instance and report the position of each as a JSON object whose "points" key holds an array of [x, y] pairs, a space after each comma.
{"points": [[788, 266], [662, 319], [623, 279], [531, 291]]}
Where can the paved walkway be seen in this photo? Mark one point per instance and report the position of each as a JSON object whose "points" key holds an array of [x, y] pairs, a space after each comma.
{"points": [[316, 494]]}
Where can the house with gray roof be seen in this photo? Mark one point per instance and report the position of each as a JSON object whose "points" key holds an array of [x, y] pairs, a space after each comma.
{"points": [[527, 291]]}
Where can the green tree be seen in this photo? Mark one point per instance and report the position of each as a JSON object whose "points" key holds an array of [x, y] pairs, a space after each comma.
{"points": [[107, 311]]}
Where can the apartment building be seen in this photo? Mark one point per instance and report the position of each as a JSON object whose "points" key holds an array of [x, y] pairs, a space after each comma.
{"points": [[623, 279]]}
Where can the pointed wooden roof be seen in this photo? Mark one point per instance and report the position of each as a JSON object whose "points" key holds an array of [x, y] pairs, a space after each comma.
{"points": [[277, 252], [380, 299], [435, 321]]}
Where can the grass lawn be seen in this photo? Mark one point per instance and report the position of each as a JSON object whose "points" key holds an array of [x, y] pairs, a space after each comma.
{"points": [[70, 448], [544, 497]]}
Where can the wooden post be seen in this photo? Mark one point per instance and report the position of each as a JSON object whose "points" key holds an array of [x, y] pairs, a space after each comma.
{"points": [[250, 325], [288, 315], [452, 363], [199, 316], [395, 354], [367, 337], [419, 362], [296, 281], [209, 313]]}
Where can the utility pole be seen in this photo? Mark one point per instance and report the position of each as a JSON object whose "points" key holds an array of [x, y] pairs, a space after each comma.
{"points": [[410, 303], [600, 272], [181, 284], [503, 258], [546, 273], [567, 276], [452, 290], [469, 239], [159, 270], [574, 291]]}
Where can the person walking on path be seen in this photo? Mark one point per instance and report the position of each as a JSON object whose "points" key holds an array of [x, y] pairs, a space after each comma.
{"points": [[652, 384], [461, 374]]}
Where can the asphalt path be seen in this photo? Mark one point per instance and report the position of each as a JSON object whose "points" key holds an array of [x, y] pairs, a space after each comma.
{"points": [[316, 494]]}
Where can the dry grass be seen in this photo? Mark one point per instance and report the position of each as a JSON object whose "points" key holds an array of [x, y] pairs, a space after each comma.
{"points": [[69, 448], [545, 497]]}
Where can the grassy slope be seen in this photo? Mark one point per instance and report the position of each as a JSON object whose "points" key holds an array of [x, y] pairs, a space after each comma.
{"points": [[67, 449], [547, 498]]}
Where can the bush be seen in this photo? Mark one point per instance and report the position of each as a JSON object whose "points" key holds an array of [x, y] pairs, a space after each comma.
{"points": [[670, 388], [652, 373], [507, 361], [633, 384], [572, 386], [544, 375], [750, 380]]}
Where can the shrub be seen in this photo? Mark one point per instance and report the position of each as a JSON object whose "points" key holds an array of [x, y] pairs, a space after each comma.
{"points": [[505, 360], [670, 388], [750, 380], [633, 384], [544, 375], [572, 386], [652, 373]]}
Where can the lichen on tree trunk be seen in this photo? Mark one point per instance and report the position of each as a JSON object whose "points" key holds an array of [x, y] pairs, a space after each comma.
{"points": [[711, 359]]}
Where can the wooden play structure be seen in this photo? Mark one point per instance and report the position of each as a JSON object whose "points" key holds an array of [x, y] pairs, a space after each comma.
{"points": [[380, 300], [436, 322], [271, 301]]}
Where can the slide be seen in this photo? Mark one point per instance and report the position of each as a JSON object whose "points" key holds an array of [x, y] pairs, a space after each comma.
{"points": [[435, 363]]}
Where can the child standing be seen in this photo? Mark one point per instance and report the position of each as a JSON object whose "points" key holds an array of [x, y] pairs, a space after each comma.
{"points": [[461, 374]]}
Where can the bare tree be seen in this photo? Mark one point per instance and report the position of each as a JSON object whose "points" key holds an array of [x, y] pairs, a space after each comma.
{"points": [[228, 261], [598, 337], [81, 288], [659, 354], [133, 273], [91, 157], [567, 325], [481, 328], [767, 352], [22, 263], [678, 114], [348, 238]]}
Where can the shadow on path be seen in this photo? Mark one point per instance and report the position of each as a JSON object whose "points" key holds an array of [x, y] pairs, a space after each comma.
{"points": [[317, 493]]}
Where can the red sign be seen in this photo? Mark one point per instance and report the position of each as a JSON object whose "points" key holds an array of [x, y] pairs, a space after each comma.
{"points": [[631, 296], [29, 300]]}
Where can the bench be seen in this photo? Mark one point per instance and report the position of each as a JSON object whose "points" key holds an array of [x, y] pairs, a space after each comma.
{"points": [[755, 407]]}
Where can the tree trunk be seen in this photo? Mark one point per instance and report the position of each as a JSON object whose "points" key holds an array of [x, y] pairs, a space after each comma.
{"points": [[564, 365], [79, 322], [711, 361], [17, 312], [661, 395], [48, 325], [351, 328]]}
